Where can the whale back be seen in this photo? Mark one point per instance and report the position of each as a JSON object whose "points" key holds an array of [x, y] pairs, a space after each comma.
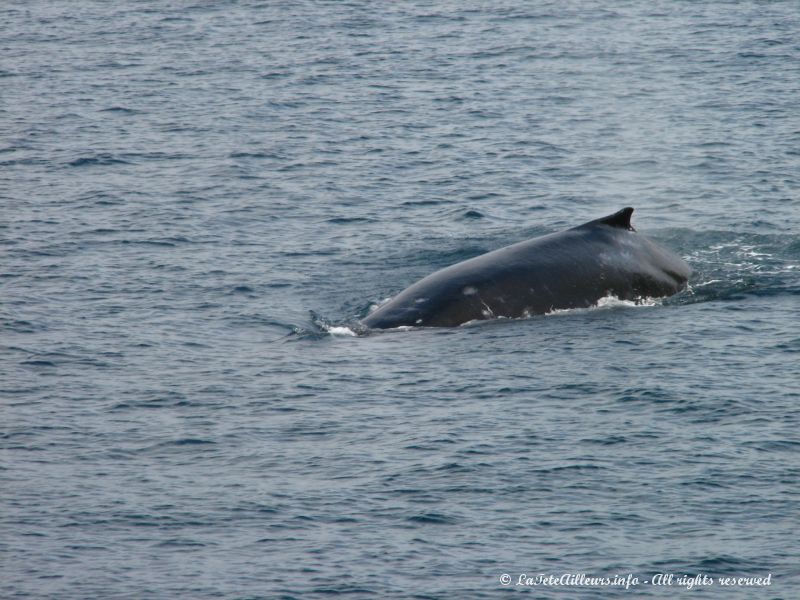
{"points": [[570, 269]]}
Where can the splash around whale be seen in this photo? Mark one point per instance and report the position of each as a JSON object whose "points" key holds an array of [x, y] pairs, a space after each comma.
{"points": [[571, 269]]}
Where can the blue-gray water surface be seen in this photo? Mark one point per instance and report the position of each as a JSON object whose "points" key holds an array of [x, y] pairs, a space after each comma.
{"points": [[198, 199]]}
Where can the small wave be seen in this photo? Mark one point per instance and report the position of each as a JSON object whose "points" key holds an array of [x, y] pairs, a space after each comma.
{"points": [[178, 543], [188, 442], [347, 220], [256, 155], [39, 363], [432, 519], [120, 110], [427, 202], [99, 159], [242, 289]]}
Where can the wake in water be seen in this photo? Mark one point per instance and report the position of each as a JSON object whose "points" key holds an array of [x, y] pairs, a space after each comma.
{"points": [[730, 266]]}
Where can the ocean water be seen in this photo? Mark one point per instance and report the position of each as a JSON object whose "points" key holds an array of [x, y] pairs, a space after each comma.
{"points": [[198, 201]]}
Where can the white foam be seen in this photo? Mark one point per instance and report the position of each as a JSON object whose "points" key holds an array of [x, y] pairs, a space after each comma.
{"points": [[604, 303], [613, 301], [333, 330], [750, 251], [705, 283], [607, 302]]}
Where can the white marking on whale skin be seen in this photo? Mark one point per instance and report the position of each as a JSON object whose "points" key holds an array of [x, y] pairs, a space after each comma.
{"points": [[421, 300], [487, 312], [469, 291]]}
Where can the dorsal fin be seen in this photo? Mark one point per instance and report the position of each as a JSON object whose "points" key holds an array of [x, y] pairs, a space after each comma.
{"points": [[621, 219]]}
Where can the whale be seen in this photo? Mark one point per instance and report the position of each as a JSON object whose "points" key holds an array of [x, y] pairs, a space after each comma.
{"points": [[570, 269]]}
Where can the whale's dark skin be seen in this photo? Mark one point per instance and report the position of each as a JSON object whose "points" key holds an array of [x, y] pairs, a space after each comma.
{"points": [[571, 269]]}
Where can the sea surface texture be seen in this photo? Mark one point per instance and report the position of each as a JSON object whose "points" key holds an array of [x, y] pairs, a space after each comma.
{"points": [[198, 202]]}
